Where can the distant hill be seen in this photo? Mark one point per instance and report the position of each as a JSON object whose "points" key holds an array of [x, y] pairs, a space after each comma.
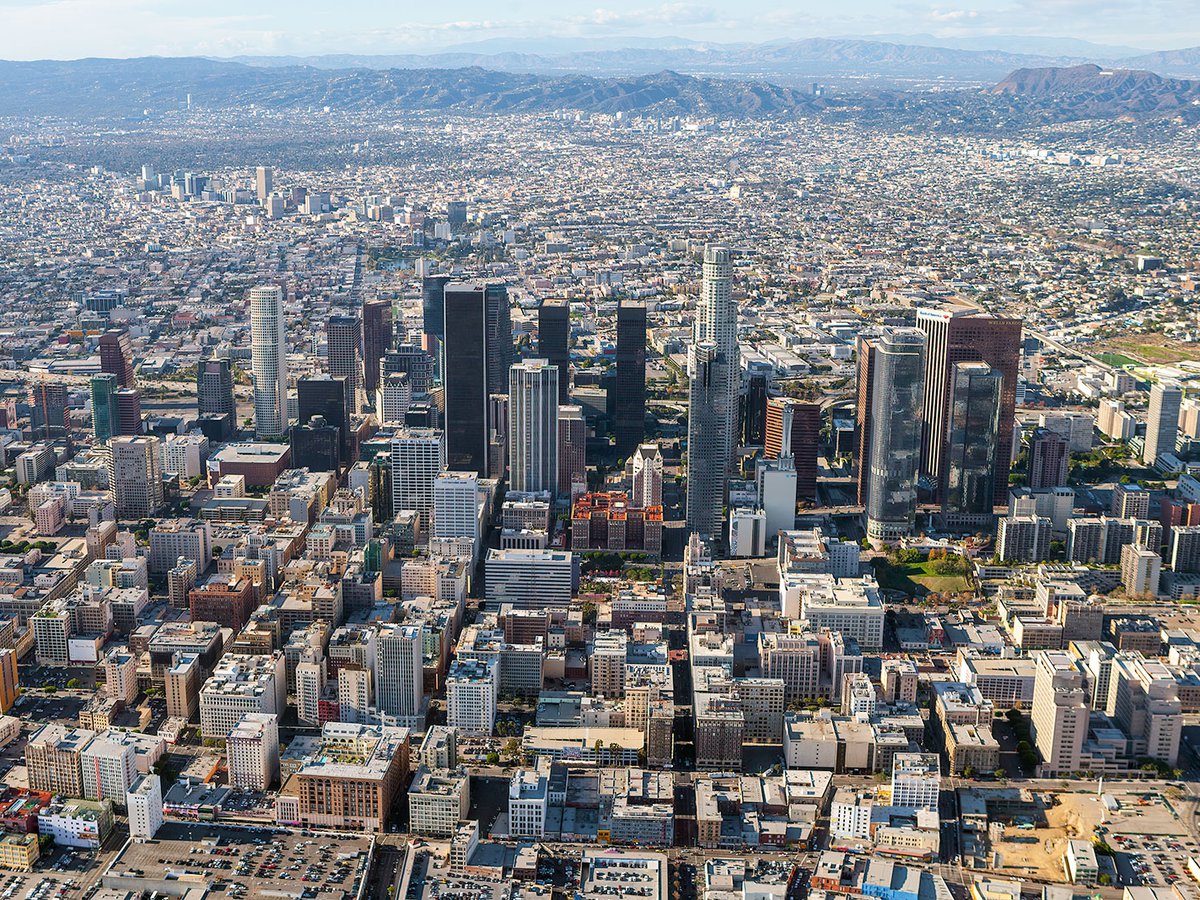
{"points": [[1168, 62], [1089, 91]]}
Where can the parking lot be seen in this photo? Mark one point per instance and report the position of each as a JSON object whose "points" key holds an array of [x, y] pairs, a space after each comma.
{"points": [[248, 863], [1150, 841]]}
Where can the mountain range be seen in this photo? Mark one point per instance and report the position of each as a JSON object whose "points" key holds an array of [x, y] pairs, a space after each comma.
{"points": [[133, 88]]}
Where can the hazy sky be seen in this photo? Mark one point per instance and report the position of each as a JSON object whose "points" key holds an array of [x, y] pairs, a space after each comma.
{"points": [[75, 28]]}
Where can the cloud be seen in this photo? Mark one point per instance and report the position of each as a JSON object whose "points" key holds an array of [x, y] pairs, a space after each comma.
{"points": [[953, 15]]}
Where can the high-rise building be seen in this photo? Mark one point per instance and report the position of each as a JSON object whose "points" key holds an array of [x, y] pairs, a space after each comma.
{"points": [[629, 405], [327, 396], [554, 342], [533, 426], [572, 451], [1049, 459], [50, 417], [268, 355], [714, 373], [106, 422], [974, 426], [433, 314], [404, 359], [116, 355], [418, 455], [264, 182], [145, 805], [343, 336], [897, 412], [646, 476], [135, 476], [1060, 714], [394, 398], [864, 409], [214, 391], [754, 411], [802, 421], [400, 689], [316, 445], [378, 337], [477, 356], [456, 505], [962, 334], [1162, 420], [129, 412]]}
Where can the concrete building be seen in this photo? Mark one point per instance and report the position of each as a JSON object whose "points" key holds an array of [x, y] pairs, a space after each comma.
{"points": [[268, 349], [252, 751], [144, 802], [438, 801], [241, 684], [472, 692], [1059, 717]]}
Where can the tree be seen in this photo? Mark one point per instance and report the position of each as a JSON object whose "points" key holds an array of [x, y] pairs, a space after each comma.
{"points": [[492, 759]]}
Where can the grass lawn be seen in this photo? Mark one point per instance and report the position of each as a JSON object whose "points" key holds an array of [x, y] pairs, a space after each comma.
{"points": [[917, 579], [1117, 359], [1152, 349]]}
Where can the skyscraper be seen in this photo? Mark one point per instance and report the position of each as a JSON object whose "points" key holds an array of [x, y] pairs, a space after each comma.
{"points": [[400, 688], [533, 426], [116, 355], [629, 408], [896, 417], [572, 451], [105, 417], [554, 341], [378, 337], [264, 182], [974, 425], [1162, 420], [268, 361], [214, 396], [316, 445], [433, 315], [754, 411], [343, 335], [1049, 459], [49, 416], [418, 455], [864, 408], [135, 476], [1059, 716], [804, 425], [478, 340], [129, 412], [962, 334], [714, 372], [327, 396]]}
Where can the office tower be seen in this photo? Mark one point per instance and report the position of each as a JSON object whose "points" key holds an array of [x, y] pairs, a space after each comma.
{"points": [[129, 412], [413, 362], [105, 416], [477, 355], [1162, 420], [135, 476], [897, 412], [456, 213], [554, 342], [533, 426], [966, 335], [400, 688], [116, 355], [418, 455], [343, 336], [456, 505], [629, 407], [327, 396], [378, 337], [316, 445], [268, 361], [1059, 716], [572, 451], [714, 372], [1049, 459], [646, 476], [145, 804], [433, 314], [754, 411], [802, 421], [264, 183], [974, 426], [394, 398], [49, 417], [863, 410], [472, 692], [214, 389]]}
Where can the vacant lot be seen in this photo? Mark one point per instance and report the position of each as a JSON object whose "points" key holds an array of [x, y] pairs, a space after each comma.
{"points": [[1146, 348], [918, 579]]}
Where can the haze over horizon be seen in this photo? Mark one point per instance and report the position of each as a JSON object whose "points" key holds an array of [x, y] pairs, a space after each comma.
{"points": [[129, 28]]}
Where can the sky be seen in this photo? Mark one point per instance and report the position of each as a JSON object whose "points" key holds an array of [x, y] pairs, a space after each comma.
{"points": [[67, 29]]}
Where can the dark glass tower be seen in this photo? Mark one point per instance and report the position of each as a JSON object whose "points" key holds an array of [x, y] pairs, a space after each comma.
{"points": [[554, 341], [328, 397], [629, 406], [754, 411], [105, 416], [116, 355], [344, 348], [974, 426], [805, 428], [478, 352], [433, 314], [377, 340]]}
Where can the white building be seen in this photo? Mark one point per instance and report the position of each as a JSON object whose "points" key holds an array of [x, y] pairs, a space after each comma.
{"points": [[850, 814], [241, 684], [268, 360], [456, 505], [849, 605], [529, 578], [135, 476], [528, 799], [394, 397], [438, 801], [145, 804], [748, 532], [1162, 420], [916, 781], [472, 691], [109, 770], [533, 426], [418, 455], [399, 683], [252, 749]]}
